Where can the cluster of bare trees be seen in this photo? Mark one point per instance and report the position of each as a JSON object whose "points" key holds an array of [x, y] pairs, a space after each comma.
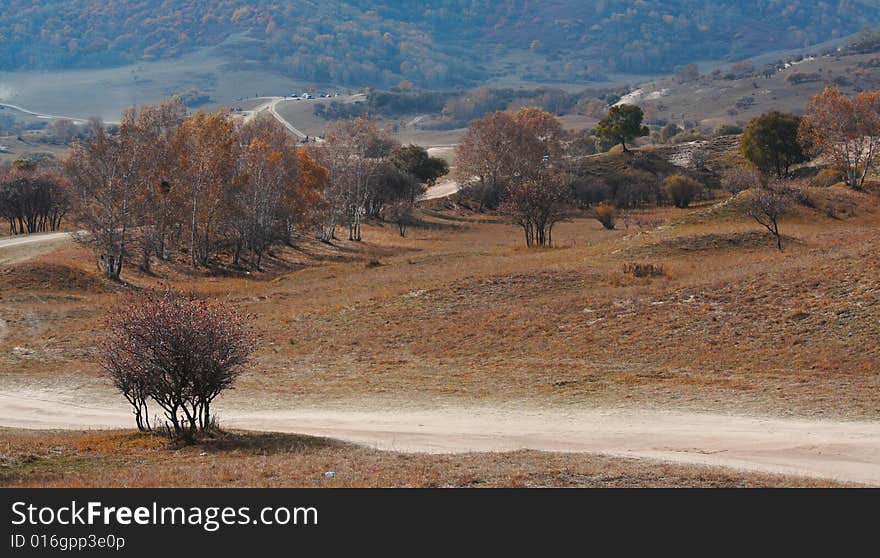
{"points": [[168, 180], [537, 204], [503, 149], [32, 201], [846, 130], [178, 353], [370, 176], [513, 162]]}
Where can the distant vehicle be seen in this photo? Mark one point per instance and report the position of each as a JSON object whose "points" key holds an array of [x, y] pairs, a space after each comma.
{"points": [[307, 96]]}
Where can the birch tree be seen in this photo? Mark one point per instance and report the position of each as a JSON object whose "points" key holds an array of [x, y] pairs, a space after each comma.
{"points": [[846, 130], [146, 138], [206, 159], [104, 195], [353, 153]]}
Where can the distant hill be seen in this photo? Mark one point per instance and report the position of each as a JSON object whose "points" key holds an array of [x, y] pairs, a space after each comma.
{"points": [[433, 44]]}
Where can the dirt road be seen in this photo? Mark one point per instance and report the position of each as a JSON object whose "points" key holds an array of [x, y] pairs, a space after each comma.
{"points": [[32, 239], [45, 116], [271, 106], [16, 249], [848, 451], [442, 189]]}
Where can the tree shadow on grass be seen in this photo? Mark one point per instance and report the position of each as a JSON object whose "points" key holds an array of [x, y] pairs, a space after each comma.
{"points": [[264, 442]]}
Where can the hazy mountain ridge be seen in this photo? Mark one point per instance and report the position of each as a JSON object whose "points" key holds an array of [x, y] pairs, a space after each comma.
{"points": [[444, 42]]}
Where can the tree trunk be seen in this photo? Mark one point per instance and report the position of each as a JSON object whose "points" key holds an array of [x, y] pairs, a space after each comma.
{"points": [[778, 236], [193, 233]]}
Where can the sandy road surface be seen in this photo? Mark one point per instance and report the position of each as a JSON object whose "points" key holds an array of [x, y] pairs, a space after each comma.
{"points": [[848, 451], [442, 189], [446, 186], [21, 248], [32, 239]]}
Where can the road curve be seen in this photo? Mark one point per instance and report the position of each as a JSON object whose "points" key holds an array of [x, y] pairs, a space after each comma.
{"points": [[839, 450], [442, 189], [271, 107]]}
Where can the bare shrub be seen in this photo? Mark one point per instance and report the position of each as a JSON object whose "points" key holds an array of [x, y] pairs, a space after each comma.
{"points": [[178, 352], [648, 222], [643, 269]]}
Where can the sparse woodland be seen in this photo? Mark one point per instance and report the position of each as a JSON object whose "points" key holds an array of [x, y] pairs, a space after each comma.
{"points": [[168, 184], [524, 165], [203, 191]]}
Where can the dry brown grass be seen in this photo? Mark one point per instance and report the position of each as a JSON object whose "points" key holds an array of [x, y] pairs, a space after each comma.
{"points": [[459, 310], [239, 459]]}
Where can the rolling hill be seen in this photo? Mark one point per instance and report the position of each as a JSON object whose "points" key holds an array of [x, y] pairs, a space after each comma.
{"points": [[437, 44]]}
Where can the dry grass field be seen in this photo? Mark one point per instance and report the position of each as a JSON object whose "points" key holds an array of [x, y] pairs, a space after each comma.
{"points": [[459, 311], [238, 459]]}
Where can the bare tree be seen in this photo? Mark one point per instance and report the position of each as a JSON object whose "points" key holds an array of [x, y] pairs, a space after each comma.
{"points": [[206, 150], [537, 204], [104, 196], [353, 152], [178, 352], [400, 213], [846, 130], [768, 205], [64, 130], [503, 148]]}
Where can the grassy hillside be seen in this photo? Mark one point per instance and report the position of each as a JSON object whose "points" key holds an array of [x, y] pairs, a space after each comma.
{"points": [[460, 311], [727, 97], [440, 43]]}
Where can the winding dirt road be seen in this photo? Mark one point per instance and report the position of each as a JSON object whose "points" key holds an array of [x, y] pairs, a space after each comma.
{"points": [[271, 106], [847, 451], [442, 189]]}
